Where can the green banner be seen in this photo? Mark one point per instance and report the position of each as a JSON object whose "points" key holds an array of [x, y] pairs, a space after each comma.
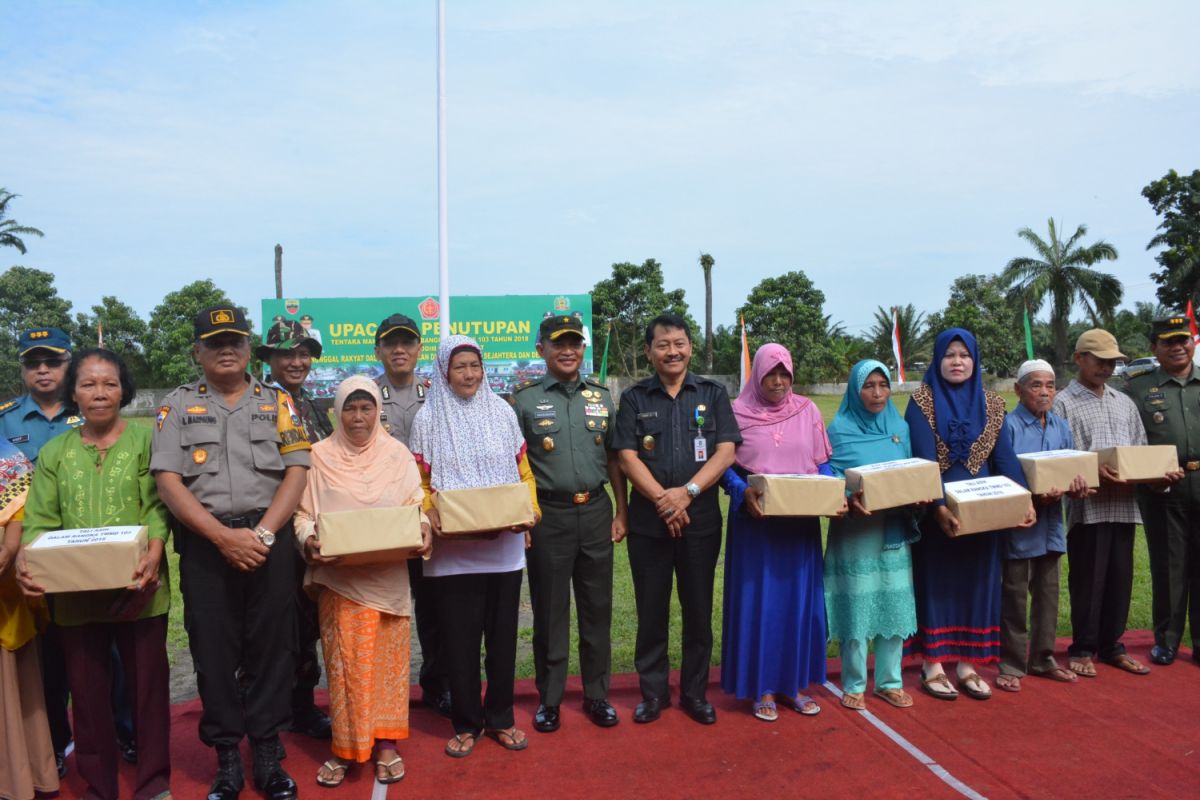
{"points": [[504, 325]]}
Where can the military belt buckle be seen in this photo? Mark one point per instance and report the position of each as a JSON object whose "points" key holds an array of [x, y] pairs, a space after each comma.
{"points": [[579, 498], [1192, 466]]}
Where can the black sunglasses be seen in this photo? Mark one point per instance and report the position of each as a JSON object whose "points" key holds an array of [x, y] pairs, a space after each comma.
{"points": [[38, 361]]}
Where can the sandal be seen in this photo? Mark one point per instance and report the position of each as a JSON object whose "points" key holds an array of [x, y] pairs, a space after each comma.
{"points": [[896, 697], [766, 711], [1127, 663], [1083, 666], [461, 745], [510, 734], [1057, 674], [939, 686], [854, 701], [337, 772], [1009, 683], [974, 687], [389, 776], [803, 704]]}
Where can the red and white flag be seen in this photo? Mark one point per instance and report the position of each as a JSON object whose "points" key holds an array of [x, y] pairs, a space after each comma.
{"points": [[745, 359], [1191, 315], [897, 351]]}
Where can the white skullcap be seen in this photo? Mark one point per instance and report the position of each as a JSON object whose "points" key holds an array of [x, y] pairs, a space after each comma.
{"points": [[1035, 365]]}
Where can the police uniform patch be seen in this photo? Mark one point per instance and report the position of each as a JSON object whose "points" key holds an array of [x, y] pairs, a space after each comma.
{"points": [[162, 416], [199, 455], [197, 409], [265, 407]]}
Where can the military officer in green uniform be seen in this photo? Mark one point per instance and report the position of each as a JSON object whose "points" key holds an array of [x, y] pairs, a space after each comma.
{"points": [[288, 354], [398, 348], [568, 425], [1168, 399]]}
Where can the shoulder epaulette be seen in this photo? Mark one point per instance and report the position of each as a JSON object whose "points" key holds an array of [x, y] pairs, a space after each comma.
{"points": [[525, 385], [595, 382], [7, 407]]}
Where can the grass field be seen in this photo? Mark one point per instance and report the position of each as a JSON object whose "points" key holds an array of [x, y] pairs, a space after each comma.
{"points": [[624, 625]]}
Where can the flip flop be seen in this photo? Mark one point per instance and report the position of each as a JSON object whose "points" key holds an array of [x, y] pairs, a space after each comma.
{"points": [[896, 697], [466, 745], [927, 683], [761, 709], [339, 774], [1084, 667], [1127, 663], [854, 702], [975, 692], [1008, 683], [1057, 674], [803, 704], [387, 767], [511, 735]]}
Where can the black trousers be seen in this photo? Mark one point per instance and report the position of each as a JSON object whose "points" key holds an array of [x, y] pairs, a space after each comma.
{"points": [[240, 620], [654, 561], [433, 679], [476, 609], [572, 546], [54, 686], [1173, 540], [1100, 581], [308, 633]]}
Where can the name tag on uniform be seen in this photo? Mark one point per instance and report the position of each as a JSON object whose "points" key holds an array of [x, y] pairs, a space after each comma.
{"points": [[22, 439], [701, 447]]}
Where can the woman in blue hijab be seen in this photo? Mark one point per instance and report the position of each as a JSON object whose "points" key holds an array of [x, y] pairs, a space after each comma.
{"points": [[868, 563], [961, 426]]}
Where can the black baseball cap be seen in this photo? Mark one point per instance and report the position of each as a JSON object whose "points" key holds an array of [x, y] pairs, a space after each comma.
{"points": [[287, 336], [220, 319], [396, 322], [560, 325], [1169, 326]]}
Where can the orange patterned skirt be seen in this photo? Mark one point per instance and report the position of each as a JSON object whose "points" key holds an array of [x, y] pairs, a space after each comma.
{"points": [[366, 662]]}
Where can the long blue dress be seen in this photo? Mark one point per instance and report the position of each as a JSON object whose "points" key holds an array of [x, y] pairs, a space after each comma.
{"points": [[773, 631]]}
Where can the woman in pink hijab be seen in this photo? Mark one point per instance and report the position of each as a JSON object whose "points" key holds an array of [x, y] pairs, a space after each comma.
{"points": [[773, 645]]}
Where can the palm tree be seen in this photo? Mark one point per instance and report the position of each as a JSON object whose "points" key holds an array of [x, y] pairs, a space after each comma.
{"points": [[10, 231], [706, 264], [1063, 271], [914, 337]]}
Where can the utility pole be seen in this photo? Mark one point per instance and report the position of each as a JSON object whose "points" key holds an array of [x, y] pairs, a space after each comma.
{"points": [[278, 272]]}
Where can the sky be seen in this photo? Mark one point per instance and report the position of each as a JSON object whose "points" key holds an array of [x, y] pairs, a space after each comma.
{"points": [[884, 148]]}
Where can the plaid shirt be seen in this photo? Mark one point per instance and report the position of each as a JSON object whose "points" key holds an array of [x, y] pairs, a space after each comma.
{"points": [[1096, 423]]}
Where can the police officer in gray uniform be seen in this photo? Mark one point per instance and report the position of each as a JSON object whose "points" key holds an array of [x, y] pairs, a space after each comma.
{"points": [[398, 348], [230, 461], [568, 421]]}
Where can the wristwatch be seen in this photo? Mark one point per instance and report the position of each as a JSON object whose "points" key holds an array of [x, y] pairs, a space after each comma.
{"points": [[693, 490], [265, 536]]}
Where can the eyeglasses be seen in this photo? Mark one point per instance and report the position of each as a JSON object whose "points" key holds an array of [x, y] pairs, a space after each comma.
{"points": [[46, 361]]}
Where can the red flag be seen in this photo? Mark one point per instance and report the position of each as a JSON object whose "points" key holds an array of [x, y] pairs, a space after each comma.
{"points": [[1191, 315], [897, 351]]}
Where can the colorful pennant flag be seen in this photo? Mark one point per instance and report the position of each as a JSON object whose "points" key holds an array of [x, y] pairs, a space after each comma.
{"points": [[897, 350]]}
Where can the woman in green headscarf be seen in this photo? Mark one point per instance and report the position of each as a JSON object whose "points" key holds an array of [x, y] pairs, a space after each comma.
{"points": [[868, 565]]}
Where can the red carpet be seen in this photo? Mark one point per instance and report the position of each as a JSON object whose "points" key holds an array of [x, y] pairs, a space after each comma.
{"points": [[1117, 735]]}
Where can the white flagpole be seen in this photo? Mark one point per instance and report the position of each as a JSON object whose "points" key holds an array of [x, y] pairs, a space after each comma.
{"points": [[443, 236]]}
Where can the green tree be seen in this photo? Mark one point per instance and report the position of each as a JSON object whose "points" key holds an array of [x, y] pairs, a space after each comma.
{"points": [[844, 352], [1062, 272], [727, 350], [169, 333], [631, 297], [1176, 198], [787, 310], [706, 264], [28, 299], [980, 304], [1132, 328], [10, 230], [124, 332], [914, 335]]}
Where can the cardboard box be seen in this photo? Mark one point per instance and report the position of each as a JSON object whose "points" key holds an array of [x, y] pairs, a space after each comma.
{"points": [[1055, 470], [86, 559], [890, 484], [1141, 463], [492, 508], [370, 535], [799, 495], [987, 504]]}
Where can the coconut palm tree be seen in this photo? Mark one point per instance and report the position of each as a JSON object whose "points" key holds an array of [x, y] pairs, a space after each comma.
{"points": [[1062, 271], [914, 334], [10, 231], [706, 264]]}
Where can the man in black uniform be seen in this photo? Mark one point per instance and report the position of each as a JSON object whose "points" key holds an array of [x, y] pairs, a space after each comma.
{"points": [[566, 423], [398, 348], [676, 435], [230, 461], [288, 354]]}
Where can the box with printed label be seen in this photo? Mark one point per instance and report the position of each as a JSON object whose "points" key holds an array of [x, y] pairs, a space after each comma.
{"points": [[890, 484], [370, 535], [492, 508], [987, 504], [1055, 470], [1141, 463], [799, 495], [86, 559]]}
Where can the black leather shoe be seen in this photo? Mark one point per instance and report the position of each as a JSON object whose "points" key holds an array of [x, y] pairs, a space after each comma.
{"points": [[128, 750], [269, 777], [438, 701], [1162, 655], [60, 763], [546, 718], [650, 709], [230, 780], [699, 710], [311, 722], [601, 713]]}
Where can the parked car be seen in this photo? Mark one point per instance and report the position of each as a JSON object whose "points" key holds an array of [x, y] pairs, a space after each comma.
{"points": [[1137, 363]]}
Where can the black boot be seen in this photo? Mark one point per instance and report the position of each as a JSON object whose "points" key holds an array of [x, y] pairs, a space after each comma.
{"points": [[269, 777], [230, 780]]}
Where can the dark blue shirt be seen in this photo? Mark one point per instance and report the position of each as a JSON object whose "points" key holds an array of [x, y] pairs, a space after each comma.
{"points": [[24, 424], [1027, 435]]}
